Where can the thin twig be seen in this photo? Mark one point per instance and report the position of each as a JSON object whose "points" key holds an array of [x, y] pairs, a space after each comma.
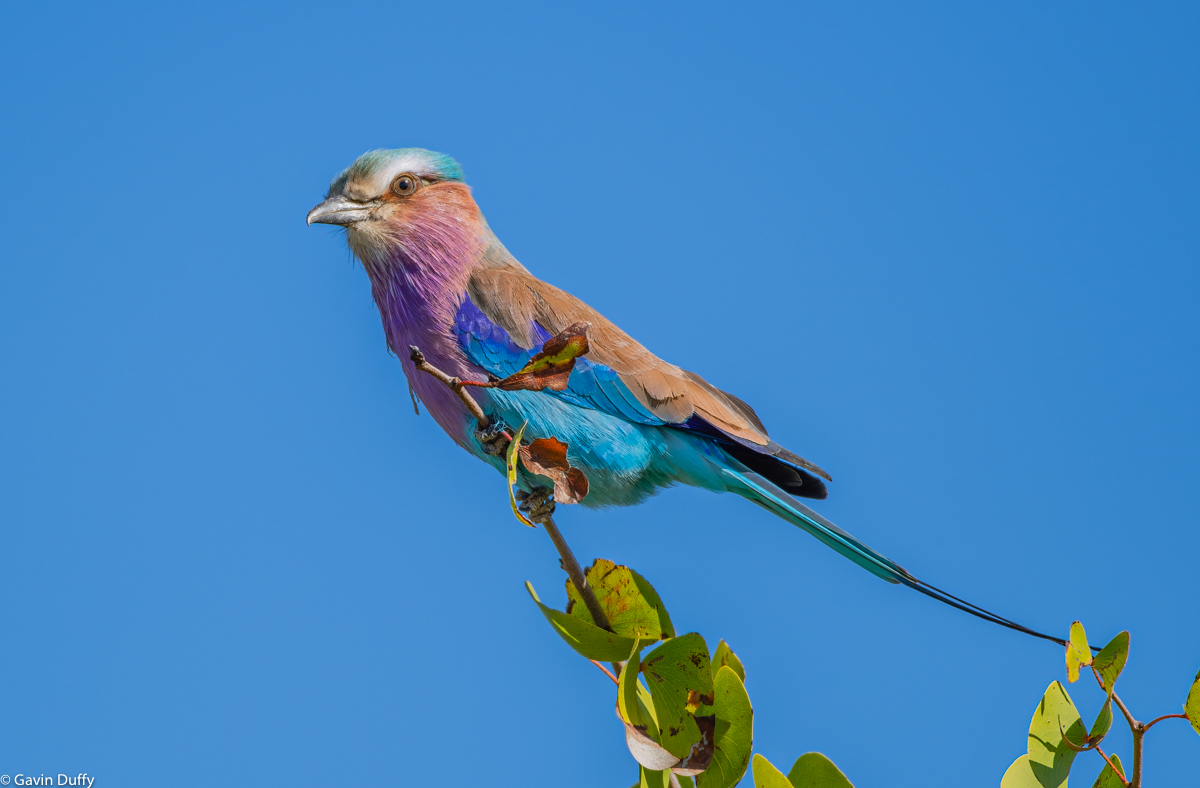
{"points": [[456, 385], [578, 578], [1120, 774], [575, 572], [1128, 717]]}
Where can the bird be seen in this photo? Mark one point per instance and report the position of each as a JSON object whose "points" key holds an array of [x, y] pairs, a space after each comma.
{"points": [[633, 423]]}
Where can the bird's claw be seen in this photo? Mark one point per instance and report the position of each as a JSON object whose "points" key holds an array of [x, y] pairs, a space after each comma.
{"points": [[493, 441], [538, 503]]}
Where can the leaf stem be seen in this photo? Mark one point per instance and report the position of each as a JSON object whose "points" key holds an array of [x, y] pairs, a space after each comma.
{"points": [[1165, 717], [1120, 774], [607, 672]]}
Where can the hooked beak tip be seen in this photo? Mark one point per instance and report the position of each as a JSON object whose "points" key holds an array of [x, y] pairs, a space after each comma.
{"points": [[340, 211]]}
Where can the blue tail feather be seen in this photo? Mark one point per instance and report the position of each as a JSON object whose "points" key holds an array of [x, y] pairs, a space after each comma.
{"points": [[762, 492], [779, 503]]}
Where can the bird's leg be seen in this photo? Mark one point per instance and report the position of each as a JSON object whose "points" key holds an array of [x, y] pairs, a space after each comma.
{"points": [[494, 438], [538, 503]]}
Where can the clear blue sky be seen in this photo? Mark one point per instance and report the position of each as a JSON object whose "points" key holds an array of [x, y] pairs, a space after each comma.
{"points": [[950, 253]]}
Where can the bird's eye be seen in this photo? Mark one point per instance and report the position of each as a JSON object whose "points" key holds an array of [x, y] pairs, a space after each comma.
{"points": [[405, 184]]}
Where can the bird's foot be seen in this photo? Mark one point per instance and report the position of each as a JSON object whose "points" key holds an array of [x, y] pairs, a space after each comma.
{"points": [[493, 441], [538, 503]]}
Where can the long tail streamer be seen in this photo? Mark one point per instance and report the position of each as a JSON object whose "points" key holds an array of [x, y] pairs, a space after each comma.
{"points": [[775, 500]]}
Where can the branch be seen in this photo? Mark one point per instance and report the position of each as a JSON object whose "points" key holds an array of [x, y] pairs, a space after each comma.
{"points": [[575, 572], [1128, 717], [568, 562], [455, 385], [578, 578]]}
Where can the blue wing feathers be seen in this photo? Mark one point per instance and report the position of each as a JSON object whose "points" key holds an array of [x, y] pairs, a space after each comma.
{"points": [[599, 387], [623, 444], [591, 385]]}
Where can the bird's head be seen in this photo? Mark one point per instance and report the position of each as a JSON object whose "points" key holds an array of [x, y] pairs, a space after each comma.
{"points": [[387, 196]]}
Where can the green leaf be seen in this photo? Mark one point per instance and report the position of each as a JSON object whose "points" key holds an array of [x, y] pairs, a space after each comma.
{"points": [[734, 734], [725, 656], [588, 639], [1111, 660], [629, 693], [685, 781], [636, 708], [680, 679], [1078, 652], [1108, 778], [1102, 724], [1191, 706], [767, 776], [1020, 775], [1049, 756], [814, 770], [653, 779], [633, 607]]}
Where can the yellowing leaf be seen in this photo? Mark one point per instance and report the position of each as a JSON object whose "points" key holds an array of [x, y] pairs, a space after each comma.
{"points": [[551, 367], [1050, 757], [588, 639], [1078, 652], [514, 447], [814, 770], [767, 776], [1191, 707], [631, 604]]}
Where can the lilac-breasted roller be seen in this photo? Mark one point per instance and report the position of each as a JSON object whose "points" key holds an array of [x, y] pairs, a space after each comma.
{"points": [[633, 422]]}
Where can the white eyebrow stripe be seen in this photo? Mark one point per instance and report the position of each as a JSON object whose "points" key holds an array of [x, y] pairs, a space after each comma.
{"points": [[381, 179]]}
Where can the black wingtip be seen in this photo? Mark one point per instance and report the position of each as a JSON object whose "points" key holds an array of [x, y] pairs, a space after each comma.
{"points": [[778, 468]]}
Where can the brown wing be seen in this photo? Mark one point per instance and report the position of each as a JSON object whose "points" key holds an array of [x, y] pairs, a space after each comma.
{"points": [[513, 298]]}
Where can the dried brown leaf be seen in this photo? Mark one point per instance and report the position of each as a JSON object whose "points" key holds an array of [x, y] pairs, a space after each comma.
{"points": [[551, 366], [548, 457]]}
